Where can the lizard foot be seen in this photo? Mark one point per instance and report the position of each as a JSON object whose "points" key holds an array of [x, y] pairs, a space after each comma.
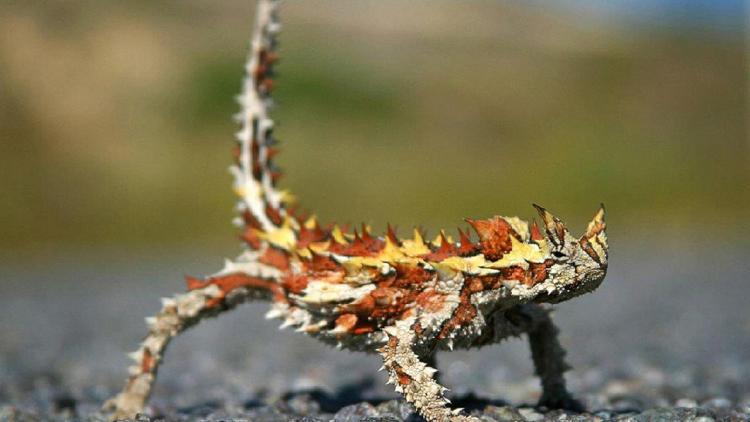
{"points": [[561, 401]]}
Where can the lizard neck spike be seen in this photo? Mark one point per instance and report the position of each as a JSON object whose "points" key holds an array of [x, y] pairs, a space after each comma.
{"points": [[465, 245], [536, 234]]}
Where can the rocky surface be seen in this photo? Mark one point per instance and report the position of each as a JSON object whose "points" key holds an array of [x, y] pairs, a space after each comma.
{"points": [[667, 338], [316, 405]]}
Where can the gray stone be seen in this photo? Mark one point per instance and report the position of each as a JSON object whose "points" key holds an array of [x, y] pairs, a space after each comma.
{"points": [[686, 403], [356, 412], [530, 414], [504, 413]]}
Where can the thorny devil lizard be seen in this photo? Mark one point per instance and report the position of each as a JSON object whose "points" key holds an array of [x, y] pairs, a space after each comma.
{"points": [[403, 299]]}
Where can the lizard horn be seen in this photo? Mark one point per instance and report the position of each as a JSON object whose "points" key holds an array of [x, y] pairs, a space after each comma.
{"points": [[594, 241], [597, 225], [553, 226]]}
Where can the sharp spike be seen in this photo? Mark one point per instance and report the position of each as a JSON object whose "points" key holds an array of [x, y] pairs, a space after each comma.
{"points": [[312, 223], [168, 302], [287, 323], [466, 247], [597, 224], [338, 235], [535, 233], [194, 283], [418, 239], [274, 313], [555, 228], [366, 233], [463, 237], [443, 239], [391, 234], [594, 241]]}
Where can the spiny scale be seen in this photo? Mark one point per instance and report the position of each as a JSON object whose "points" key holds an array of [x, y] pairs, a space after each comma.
{"points": [[401, 298]]}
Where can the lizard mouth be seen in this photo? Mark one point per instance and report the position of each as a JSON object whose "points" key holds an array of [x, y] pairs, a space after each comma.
{"points": [[586, 284]]}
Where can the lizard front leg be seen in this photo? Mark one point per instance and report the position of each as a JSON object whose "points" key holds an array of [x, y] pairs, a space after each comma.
{"points": [[547, 354], [413, 378]]}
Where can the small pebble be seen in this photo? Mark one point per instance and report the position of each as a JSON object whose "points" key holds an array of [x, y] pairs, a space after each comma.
{"points": [[627, 404], [718, 403], [686, 403], [355, 412], [530, 414], [504, 413]]}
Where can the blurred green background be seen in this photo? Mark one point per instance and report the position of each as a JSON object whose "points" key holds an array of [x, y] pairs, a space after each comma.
{"points": [[116, 129]]}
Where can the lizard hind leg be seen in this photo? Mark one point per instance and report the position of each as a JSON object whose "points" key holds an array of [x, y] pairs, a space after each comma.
{"points": [[414, 379], [177, 313]]}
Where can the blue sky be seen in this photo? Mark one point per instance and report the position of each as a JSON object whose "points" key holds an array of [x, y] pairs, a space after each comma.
{"points": [[715, 15]]}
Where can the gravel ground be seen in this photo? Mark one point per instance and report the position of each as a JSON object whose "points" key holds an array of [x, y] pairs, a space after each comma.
{"points": [[667, 337]]}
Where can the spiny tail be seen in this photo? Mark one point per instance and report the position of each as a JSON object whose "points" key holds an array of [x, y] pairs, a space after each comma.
{"points": [[261, 205]]}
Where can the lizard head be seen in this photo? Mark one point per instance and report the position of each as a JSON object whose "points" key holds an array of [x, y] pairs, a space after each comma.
{"points": [[578, 265]]}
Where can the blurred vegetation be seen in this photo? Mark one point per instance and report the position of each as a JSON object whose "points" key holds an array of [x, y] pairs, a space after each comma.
{"points": [[115, 120]]}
